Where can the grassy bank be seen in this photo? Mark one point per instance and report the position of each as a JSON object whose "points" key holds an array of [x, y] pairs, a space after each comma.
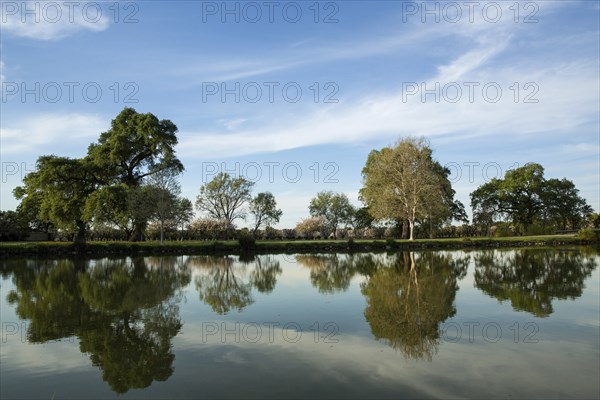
{"points": [[296, 246]]}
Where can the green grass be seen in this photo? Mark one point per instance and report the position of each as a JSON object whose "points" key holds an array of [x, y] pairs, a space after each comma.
{"points": [[277, 246]]}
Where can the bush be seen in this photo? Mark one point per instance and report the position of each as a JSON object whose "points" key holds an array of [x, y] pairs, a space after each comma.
{"points": [[588, 234], [538, 229], [246, 240], [502, 230]]}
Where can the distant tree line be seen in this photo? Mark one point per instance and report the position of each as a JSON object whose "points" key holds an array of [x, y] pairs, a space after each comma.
{"points": [[126, 188]]}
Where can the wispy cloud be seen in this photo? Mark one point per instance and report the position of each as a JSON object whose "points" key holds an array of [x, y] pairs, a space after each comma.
{"points": [[564, 104], [53, 20], [51, 133]]}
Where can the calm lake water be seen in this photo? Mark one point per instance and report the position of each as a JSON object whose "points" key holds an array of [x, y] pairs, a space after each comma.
{"points": [[493, 323]]}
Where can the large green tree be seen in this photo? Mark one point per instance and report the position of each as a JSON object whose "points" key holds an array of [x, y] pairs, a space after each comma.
{"points": [[58, 191], [405, 183], [524, 196], [135, 147]]}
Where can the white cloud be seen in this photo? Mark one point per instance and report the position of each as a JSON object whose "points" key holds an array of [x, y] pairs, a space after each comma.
{"points": [[52, 20], [51, 133], [232, 124], [565, 103]]}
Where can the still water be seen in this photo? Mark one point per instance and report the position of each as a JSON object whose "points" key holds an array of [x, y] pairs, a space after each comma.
{"points": [[493, 323]]}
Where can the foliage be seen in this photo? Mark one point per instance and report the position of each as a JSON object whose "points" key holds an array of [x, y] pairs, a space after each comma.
{"points": [[209, 228], [525, 197], [264, 209], [246, 240], [224, 197], [405, 183], [136, 146], [58, 191], [13, 226], [63, 191], [588, 234], [334, 208], [311, 227]]}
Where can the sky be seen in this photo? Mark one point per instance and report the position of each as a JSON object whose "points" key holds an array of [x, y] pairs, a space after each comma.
{"points": [[295, 94]]}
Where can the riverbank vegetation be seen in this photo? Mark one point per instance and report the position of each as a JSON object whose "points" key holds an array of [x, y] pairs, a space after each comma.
{"points": [[126, 188]]}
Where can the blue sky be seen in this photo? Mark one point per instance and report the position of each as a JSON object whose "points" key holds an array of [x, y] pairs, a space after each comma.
{"points": [[492, 85]]}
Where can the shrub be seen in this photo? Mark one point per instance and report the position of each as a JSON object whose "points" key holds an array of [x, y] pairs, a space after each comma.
{"points": [[246, 240], [538, 229], [588, 234]]}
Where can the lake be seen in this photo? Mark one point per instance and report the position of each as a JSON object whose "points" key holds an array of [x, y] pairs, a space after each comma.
{"points": [[486, 323]]}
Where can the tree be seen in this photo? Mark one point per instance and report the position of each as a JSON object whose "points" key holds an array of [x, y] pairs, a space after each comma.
{"points": [[58, 190], [362, 218], [184, 212], [165, 190], [562, 204], [404, 183], [128, 208], [224, 197], [443, 208], [524, 196], [135, 147], [264, 209], [335, 208], [13, 226]]}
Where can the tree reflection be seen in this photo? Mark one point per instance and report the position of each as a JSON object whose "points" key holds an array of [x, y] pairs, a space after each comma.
{"points": [[124, 313], [226, 283], [409, 297], [532, 278], [329, 273]]}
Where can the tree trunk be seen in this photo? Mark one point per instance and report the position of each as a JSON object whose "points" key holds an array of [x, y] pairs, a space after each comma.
{"points": [[412, 227], [80, 235], [136, 233], [405, 230], [161, 232]]}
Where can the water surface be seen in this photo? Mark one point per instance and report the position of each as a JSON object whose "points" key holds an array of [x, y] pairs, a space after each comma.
{"points": [[493, 323]]}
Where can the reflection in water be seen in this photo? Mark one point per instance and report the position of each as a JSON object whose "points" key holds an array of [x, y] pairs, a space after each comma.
{"points": [[531, 278], [225, 283], [331, 273], [409, 297], [124, 312]]}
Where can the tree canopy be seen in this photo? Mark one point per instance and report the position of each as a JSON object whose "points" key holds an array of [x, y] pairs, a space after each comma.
{"points": [[405, 183], [224, 197], [334, 208], [524, 196]]}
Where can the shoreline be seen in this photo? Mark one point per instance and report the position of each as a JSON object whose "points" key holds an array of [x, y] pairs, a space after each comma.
{"points": [[232, 247]]}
